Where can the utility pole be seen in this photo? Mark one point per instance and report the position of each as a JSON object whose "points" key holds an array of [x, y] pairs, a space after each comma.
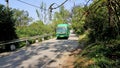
{"points": [[51, 8], [50, 11], [7, 3], [7, 6]]}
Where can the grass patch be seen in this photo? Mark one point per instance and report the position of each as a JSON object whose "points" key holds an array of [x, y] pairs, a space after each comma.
{"points": [[100, 55], [83, 62], [83, 39]]}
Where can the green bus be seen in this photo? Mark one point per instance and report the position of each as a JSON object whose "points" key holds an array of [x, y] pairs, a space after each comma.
{"points": [[62, 31]]}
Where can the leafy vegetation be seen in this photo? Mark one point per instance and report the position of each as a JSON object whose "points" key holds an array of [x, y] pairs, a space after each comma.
{"points": [[98, 25], [101, 56], [36, 28], [102, 42], [7, 29], [63, 16], [78, 20], [15, 23], [21, 17]]}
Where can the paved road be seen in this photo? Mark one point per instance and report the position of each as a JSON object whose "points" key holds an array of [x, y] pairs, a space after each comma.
{"points": [[39, 54]]}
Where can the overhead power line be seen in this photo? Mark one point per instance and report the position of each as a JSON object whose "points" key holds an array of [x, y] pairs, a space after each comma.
{"points": [[51, 8], [30, 4], [60, 4]]}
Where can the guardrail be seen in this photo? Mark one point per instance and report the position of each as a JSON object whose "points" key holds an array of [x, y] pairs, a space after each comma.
{"points": [[26, 39]]}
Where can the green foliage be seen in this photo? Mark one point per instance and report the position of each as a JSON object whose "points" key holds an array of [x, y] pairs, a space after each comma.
{"points": [[78, 19], [102, 21], [7, 30], [83, 39], [21, 17], [62, 16], [36, 28], [99, 21], [103, 55]]}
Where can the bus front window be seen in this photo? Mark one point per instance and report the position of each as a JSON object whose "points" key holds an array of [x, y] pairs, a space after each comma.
{"points": [[61, 29]]}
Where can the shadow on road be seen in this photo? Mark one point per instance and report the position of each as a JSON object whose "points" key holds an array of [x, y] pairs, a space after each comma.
{"points": [[17, 58]]}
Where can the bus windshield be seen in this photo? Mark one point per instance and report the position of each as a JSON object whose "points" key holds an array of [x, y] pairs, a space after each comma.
{"points": [[61, 29]]}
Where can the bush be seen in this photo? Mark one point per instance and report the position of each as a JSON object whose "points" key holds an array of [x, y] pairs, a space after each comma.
{"points": [[103, 55], [36, 28]]}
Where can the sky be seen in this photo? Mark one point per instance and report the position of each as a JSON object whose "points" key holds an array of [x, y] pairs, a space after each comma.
{"points": [[32, 10]]}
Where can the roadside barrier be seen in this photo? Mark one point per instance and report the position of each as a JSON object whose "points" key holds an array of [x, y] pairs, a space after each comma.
{"points": [[42, 37]]}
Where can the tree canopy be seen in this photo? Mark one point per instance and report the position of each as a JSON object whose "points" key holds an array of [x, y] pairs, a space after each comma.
{"points": [[7, 23], [21, 17]]}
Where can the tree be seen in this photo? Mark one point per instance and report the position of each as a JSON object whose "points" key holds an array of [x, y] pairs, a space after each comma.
{"points": [[35, 28], [63, 16], [7, 30], [102, 20], [21, 17], [78, 19], [42, 12]]}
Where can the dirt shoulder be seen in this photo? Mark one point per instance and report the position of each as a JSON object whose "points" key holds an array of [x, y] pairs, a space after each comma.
{"points": [[65, 61], [70, 59]]}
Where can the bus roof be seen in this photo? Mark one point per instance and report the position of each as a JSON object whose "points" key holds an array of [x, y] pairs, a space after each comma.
{"points": [[62, 25]]}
